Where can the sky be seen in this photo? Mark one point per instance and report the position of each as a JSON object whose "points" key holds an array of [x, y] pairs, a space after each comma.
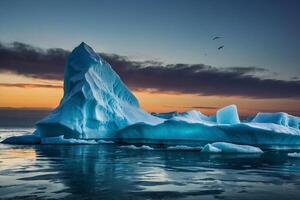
{"points": [[258, 69]]}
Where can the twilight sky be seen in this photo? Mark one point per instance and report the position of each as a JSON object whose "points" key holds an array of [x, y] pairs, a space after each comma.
{"points": [[258, 68]]}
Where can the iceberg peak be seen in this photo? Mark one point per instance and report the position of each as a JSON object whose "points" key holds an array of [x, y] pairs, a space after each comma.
{"points": [[82, 44], [84, 52], [85, 47]]}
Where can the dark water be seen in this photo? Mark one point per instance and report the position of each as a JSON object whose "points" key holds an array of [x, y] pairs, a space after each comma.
{"points": [[106, 171]]}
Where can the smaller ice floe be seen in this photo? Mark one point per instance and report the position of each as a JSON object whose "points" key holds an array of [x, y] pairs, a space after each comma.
{"points": [[294, 155], [184, 147], [105, 142], [23, 139], [224, 147], [61, 140], [144, 147]]}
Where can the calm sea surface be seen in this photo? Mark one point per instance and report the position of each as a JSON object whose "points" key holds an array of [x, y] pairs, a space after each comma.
{"points": [[107, 171]]}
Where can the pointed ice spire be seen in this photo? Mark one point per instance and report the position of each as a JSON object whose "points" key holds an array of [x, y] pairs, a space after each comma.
{"points": [[84, 52]]}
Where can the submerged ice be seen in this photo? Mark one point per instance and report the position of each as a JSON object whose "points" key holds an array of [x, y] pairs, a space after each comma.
{"points": [[97, 105]]}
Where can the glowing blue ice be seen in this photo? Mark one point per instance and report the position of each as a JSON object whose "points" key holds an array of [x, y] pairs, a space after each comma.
{"points": [[95, 103]]}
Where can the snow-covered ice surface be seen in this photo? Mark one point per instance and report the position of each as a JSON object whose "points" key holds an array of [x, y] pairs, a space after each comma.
{"points": [[224, 147], [97, 105]]}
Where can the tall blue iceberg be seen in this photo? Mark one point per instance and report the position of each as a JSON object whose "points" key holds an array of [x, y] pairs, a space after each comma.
{"points": [[96, 102]]}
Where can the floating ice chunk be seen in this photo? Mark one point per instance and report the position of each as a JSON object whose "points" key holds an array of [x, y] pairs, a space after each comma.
{"points": [[209, 148], [224, 147], [184, 147], [143, 147], [23, 139], [279, 118], [61, 140], [228, 115], [294, 155], [105, 142]]}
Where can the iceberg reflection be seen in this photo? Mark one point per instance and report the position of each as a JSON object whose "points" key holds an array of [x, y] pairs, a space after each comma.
{"points": [[108, 171]]}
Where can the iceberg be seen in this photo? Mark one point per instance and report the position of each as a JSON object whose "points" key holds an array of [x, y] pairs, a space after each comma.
{"points": [[97, 105], [224, 147]]}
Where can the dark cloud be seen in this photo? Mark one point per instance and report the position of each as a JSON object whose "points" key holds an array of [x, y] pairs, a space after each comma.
{"points": [[31, 61], [245, 70], [154, 76], [203, 80]]}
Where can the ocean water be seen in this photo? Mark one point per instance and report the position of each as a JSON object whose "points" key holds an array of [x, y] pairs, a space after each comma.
{"points": [[112, 171]]}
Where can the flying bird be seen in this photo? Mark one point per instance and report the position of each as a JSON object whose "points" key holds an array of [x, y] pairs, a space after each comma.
{"points": [[215, 38], [220, 47]]}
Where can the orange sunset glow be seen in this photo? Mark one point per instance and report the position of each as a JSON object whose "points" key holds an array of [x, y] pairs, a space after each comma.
{"points": [[18, 91]]}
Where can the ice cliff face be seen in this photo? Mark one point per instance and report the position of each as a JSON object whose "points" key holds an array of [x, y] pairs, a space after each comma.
{"points": [[95, 103]]}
